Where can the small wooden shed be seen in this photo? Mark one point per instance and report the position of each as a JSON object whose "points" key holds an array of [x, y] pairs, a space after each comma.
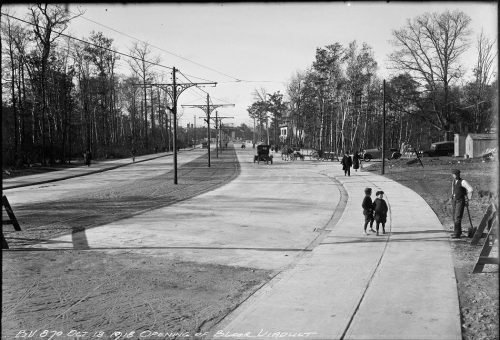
{"points": [[459, 145], [476, 144]]}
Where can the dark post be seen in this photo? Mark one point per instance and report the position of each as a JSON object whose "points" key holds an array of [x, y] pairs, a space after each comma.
{"points": [[208, 129], [151, 118], [383, 133], [146, 107], [221, 135], [174, 111], [216, 135]]}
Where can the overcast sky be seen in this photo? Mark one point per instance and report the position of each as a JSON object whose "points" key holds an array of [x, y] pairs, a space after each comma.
{"points": [[262, 44]]}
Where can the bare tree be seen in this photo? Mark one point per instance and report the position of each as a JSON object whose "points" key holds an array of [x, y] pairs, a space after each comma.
{"points": [[483, 76], [8, 32], [429, 48], [259, 109], [141, 66], [49, 22]]}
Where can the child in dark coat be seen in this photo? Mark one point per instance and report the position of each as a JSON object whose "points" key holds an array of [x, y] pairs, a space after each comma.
{"points": [[355, 161], [380, 208], [368, 210], [346, 164]]}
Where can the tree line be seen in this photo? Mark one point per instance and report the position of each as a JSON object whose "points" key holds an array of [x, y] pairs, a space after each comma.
{"points": [[337, 104], [63, 95]]}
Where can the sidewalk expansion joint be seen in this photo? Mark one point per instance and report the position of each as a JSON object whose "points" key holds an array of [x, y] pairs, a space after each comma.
{"points": [[372, 275]]}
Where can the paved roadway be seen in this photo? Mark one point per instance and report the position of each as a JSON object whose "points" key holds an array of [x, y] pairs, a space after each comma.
{"points": [[302, 219]]}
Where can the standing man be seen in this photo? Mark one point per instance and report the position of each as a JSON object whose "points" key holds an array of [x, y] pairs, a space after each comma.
{"points": [[346, 164], [88, 157], [133, 155], [461, 193]]}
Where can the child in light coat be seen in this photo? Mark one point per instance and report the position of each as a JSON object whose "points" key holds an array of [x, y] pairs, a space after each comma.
{"points": [[380, 209]]}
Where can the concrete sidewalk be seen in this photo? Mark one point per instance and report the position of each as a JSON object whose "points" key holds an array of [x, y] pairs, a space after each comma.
{"points": [[351, 286]]}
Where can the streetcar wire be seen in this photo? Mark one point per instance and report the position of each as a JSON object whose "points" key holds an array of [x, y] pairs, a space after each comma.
{"points": [[162, 49], [89, 43]]}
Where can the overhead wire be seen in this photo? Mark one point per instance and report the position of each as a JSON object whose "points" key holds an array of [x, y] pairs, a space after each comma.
{"points": [[196, 87], [161, 49], [92, 44], [236, 80], [205, 91], [74, 49]]}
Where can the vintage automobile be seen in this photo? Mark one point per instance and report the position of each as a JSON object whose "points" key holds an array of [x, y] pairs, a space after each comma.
{"points": [[391, 153], [440, 149], [263, 154]]}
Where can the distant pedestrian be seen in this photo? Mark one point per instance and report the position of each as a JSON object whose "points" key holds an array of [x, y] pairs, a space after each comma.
{"points": [[87, 157], [367, 206], [380, 209], [346, 164], [461, 193], [133, 155], [355, 161]]}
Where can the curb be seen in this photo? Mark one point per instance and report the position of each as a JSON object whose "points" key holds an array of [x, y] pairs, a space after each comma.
{"points": [[79, 175]]}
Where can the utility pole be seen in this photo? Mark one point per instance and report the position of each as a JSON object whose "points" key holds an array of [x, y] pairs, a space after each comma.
{"points": [[216, 135], [253, 139], [174, 111], [383, 133], [174, 90], [267, 127], [208, 110], [152, 120], [218, 127], [194, 142], [145, 106]]}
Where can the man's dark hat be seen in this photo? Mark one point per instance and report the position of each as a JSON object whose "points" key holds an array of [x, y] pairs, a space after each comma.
{"points": [[455, 172], [367, 190], [379, 192]]}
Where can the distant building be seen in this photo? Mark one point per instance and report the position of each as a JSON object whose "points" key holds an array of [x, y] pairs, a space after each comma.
{"points": [[459, 145], [283, 133], [476, 144]]}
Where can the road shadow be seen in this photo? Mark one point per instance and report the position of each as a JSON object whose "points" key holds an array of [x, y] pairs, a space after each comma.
{"points": [[79, 238]]}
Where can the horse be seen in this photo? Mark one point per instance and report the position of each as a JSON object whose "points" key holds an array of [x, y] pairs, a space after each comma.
{"points": [[287, 154]]}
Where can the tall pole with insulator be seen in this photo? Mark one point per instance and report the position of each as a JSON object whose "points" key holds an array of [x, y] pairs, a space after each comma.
{"points": [[383, 132], [174, 111]]}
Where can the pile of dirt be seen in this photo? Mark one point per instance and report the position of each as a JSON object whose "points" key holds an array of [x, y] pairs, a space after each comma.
{"points": [[478, 293]]}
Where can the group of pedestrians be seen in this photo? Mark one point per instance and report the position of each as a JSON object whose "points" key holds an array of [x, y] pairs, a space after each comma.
{"points": [[348, 162], [374, 211]]}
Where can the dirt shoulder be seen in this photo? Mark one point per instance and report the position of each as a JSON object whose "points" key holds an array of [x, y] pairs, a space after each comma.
{"points": [[120, 292], [478, 293]]}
